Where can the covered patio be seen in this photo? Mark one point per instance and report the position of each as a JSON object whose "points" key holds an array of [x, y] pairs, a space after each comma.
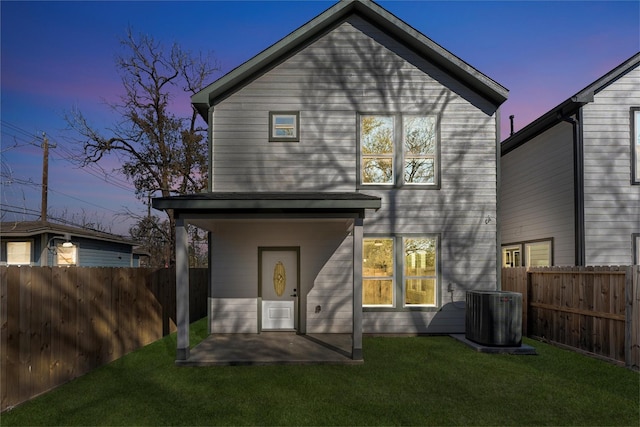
{"points": [[206, 208], [272, 348]]}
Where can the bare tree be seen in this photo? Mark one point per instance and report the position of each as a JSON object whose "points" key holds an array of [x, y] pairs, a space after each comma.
{"points": [[160, 153]]}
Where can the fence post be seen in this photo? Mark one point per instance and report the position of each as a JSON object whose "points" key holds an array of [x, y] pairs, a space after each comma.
{"points": [[632, 317]]}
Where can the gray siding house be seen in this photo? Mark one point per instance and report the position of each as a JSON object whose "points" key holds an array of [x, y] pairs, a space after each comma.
{"points": [[570, 180], [42, 243], [353, 184]]}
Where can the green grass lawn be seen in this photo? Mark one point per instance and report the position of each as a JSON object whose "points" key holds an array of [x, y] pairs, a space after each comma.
{"points": [[404, 381]]}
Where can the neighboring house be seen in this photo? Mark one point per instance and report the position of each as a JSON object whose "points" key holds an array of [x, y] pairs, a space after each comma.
{"points": [[40, 243], [353, 115], [570, 180]]}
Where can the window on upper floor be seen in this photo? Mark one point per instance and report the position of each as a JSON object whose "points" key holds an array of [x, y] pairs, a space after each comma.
{"points": [[398, 150], [18, 253], [284, 126], [635, 145]]}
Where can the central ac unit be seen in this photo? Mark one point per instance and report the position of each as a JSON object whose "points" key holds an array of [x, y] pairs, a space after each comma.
{"points": [[494, 318]]}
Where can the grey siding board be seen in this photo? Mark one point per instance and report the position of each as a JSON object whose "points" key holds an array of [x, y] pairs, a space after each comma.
{"points": [[354, 69], [612, 204], [325, 257], [94, 253], [332, 292], [537, 192]]}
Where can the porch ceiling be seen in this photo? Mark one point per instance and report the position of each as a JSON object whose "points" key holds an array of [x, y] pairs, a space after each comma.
{"points": [[271, 202]]}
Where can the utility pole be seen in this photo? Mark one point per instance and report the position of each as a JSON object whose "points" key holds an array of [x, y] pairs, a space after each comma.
{"points": [[45, 177]]}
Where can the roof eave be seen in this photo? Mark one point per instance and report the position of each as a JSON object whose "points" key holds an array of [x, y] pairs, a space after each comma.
{"points": [[540, 125], [268, 202], [227, 84], [568, 107]]}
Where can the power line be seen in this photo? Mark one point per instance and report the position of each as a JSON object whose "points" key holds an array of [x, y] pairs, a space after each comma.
{"points": [[35, 184], [68, 155], [82, 200], [15, 128]]}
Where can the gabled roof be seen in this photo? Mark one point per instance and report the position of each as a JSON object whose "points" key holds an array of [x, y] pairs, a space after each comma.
{"points": [[35, 228], [330, 18], [568, 107]]}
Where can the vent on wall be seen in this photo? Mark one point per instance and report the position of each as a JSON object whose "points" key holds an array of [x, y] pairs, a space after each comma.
{"points": [[494, 318]]}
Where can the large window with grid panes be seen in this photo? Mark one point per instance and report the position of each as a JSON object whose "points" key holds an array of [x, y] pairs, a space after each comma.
{"points": [[400, 271], [398, 150]]}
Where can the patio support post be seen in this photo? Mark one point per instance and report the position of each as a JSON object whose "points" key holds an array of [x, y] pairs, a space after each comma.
{"points": [[182, 290], [356, 350]]}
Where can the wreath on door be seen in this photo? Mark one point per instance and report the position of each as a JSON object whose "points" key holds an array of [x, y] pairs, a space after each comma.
{"points": [[279, 278]]}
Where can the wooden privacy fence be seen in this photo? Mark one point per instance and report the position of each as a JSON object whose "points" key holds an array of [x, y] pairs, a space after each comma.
{"points": [[58, 323], [593, 309]]}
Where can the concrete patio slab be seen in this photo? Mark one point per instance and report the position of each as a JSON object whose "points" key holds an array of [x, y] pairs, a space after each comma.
{"points": [[271, 348], [521, 350]]}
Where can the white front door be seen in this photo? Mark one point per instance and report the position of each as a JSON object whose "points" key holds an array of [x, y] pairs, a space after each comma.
{"points": [[279, 287]]}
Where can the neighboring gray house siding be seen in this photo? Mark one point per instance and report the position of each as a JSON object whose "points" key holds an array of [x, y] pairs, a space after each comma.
{"points": [[612, 204], [540, 196], [354, 69], [537, 193], [93, 249], [92, 253]]}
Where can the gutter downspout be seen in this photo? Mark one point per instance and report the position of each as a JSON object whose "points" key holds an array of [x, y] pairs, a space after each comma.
{"points": [[210, 148], [498, 177], [210, 233], [578, 186]]}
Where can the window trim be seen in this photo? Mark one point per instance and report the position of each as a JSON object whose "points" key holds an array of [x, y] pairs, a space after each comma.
{"points": [[393, 156], [635, 146], [435, 304], [635, 256], [398, 152], [294, 138], [435, 156], [398, 274], [392, 277], [517, 246]]}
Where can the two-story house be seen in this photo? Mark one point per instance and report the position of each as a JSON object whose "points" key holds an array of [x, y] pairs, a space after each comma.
{"points": [[353, 184], [570, 180]]}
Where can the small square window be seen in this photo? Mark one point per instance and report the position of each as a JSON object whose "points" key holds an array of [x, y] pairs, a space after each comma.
{"points": [[284, 126], [66, 254], [512, 256], [18, 253]]}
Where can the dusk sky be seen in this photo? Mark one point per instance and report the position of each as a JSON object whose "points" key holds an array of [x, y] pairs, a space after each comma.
{"points": [[59, 55]]}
